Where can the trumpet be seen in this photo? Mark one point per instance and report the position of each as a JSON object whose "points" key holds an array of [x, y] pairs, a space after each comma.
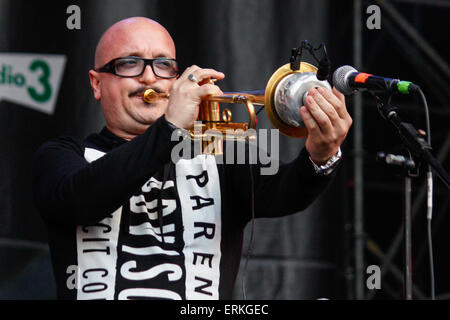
{"points": [[285, 92]]}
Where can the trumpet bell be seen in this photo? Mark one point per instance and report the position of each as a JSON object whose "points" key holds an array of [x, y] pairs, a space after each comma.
{"points": [[285, 92]]}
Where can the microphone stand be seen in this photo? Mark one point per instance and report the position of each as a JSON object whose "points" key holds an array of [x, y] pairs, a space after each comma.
{"points": [[406, 165], [416, 145], [411, 138]]}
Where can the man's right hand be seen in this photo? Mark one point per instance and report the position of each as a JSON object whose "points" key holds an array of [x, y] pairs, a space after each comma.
{"points": [[186, 95]]}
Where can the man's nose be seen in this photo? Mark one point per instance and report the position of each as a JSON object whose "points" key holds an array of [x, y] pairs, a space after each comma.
{"points": [[148, 76]]}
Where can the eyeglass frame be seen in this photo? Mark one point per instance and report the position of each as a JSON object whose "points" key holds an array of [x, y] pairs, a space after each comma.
{"points": [[110, 68]]}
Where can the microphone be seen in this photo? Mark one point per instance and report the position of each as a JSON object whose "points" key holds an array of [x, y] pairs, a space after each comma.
{"points": [[348, 80]]}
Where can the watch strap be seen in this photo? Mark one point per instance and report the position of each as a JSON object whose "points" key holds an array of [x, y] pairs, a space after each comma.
{"points": [[329, 166]]}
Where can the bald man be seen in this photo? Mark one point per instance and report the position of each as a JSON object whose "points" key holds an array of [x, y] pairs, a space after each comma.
{"points": [[124, 221], [127, 115]]}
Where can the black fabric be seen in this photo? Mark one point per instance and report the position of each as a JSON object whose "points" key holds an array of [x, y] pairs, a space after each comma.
{"points": [[71, 192], [70, 184]]}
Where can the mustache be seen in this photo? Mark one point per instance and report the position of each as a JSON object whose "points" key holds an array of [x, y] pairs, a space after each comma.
{"points": [[141, 90]]}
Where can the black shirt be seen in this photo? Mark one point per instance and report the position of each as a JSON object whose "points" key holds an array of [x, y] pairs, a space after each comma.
{"points": [[125, 222]]}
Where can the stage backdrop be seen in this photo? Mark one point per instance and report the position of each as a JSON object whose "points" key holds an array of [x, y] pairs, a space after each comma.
{"points": [[296, 257]]}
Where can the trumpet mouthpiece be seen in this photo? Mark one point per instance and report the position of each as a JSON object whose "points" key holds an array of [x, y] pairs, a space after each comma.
{"points": [[151, 96]]}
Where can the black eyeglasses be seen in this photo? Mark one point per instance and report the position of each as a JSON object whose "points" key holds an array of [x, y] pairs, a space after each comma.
{"points": [[129, 67]]}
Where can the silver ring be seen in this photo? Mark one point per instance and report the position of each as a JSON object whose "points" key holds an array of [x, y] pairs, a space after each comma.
{"points": [[193, 78]]}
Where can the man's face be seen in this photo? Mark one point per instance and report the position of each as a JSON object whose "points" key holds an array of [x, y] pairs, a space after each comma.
{"points": [[126, 114]]}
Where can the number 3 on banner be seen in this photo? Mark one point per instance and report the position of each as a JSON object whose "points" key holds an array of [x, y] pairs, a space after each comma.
{"points": [[43, 79]]}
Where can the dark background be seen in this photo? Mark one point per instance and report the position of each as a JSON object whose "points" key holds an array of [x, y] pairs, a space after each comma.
{"points": [[309, 255]]}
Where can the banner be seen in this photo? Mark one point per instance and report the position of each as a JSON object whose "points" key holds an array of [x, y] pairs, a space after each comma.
{"points": [[31, 80]]}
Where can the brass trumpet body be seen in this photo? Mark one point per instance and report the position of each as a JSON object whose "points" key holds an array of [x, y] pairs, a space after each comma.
{"points": [[282, 98], [213, 125]]}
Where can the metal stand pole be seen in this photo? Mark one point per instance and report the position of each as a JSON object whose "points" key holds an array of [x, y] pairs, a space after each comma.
{"points": [[407, 240], [358, 158]]}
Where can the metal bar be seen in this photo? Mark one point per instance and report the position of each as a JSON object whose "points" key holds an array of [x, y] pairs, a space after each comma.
{"points": [[407, 240], [358, 157], [416, 37]]}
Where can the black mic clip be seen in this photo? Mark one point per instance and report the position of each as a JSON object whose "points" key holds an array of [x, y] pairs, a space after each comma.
{"points": [[324, 68]]}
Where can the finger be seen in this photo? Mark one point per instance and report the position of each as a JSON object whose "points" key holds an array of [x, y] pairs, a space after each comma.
{"points": [[188, 71], [319, 115], [202, 74], [339, 95], [206, 74], [208, 90], [320, 95], [329, 96], [340, 107], [335, 101], [208, 80], [310, 124]]}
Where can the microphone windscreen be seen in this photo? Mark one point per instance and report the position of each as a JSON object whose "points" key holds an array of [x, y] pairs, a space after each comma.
{"points": [[340, 79]]}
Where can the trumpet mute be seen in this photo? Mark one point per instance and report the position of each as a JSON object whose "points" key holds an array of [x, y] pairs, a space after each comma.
{"points": [[286, 92], [291, 93]]}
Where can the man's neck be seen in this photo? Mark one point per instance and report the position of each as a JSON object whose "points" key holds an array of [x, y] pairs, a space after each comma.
{"points": [[123, 133]]}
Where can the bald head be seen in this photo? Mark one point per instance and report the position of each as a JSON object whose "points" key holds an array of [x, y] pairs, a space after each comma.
{"points": [[113, 43], [126, 114]]}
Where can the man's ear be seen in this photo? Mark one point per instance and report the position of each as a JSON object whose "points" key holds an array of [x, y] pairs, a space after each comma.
{"points": [[94, 77]]}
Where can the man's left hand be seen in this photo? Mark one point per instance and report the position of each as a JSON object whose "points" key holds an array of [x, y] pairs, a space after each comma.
{"points": [[328, 122]]}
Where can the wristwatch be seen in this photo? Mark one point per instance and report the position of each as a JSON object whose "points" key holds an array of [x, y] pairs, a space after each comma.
{"points": [[329, 166]]}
